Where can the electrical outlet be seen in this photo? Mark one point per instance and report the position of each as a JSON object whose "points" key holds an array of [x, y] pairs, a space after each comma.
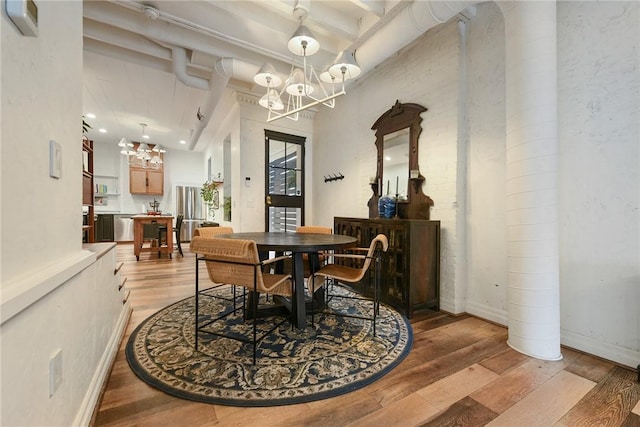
{"points": [[55, 371]]}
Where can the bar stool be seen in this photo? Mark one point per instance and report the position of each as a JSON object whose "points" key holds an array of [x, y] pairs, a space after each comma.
{"points": [[162, 233]]}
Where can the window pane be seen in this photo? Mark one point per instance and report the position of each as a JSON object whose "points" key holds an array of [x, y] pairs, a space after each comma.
{"points": [[284, 219], [285, 177]]}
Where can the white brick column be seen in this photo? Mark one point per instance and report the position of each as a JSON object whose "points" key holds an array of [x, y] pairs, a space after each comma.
{"points": [[532, 183]]}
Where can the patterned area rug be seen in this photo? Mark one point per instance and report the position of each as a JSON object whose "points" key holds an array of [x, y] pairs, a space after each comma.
{"points": [[335, 356]]}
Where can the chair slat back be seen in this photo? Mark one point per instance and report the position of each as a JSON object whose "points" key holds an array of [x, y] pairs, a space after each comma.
{"points": [[212, 231], [179, 220], [313, 229], [231, 261]]}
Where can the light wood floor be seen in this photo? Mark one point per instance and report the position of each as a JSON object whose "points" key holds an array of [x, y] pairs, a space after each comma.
{"points": [[460, 372]]}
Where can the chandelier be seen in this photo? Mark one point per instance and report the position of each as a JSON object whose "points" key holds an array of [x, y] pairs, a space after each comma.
{"points": [[304, 87], [143, 155]]}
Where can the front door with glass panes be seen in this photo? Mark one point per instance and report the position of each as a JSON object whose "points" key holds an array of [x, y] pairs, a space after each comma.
{"points": [[284, 181]]}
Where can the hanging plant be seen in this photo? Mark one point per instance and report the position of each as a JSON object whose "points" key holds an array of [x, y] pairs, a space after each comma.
{"points": [[210, 195]]}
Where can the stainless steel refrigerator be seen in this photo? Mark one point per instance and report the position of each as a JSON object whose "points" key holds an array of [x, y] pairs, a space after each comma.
{"points": [[190, 204]]}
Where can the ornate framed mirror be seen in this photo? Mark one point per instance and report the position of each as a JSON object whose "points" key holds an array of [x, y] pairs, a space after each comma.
{"points": [[397, 171]]}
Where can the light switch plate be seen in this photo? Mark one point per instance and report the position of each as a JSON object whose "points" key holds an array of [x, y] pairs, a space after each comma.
{"points": [[24, 14], [55, 371], [55, 159]]}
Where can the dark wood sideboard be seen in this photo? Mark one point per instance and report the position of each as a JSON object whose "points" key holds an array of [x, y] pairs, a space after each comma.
{"points": [[410, 273]]}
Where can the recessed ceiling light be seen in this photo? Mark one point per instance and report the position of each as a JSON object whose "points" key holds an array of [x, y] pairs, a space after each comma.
{"points": [[91, 115], [182, 141], [102, 130], [145, 136]]}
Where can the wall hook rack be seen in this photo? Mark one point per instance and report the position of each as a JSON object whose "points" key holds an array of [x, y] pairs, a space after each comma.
{"points": [[333, 177]]}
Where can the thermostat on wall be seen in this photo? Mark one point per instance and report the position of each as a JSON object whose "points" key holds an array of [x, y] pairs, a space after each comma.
{"points": [[24, 14]]}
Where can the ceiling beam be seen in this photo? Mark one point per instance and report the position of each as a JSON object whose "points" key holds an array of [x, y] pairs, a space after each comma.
{"points": [[322, 20], [255, 42], [372, 6]]}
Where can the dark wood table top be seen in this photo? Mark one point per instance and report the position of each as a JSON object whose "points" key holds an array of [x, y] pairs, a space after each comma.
{"points": [[295, 242]]}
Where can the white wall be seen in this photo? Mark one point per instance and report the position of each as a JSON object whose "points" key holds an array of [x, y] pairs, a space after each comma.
{"points": [[252, 154], [51, 296], [599, 175], [486, 166], [41, 85], [599, 111], [425, 74], [106, 170], [229, 128], [180, 168]]}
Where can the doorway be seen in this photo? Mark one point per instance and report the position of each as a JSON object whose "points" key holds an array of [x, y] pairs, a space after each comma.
{"points": [[284, 181]]}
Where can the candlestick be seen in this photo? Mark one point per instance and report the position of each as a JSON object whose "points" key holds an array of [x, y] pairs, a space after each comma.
{"points": [[387, 186], [397, 179]]}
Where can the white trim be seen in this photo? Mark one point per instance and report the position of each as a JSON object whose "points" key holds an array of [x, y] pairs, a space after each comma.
{"points": [[22, 292], [622, 355], [88, 406], [488, 313], [448, 306]]}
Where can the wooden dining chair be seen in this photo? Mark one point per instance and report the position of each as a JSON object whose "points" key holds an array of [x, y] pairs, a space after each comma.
{"points": [[237, 262], [313, 229], [308, 268], [344, 274], [212, 231]]}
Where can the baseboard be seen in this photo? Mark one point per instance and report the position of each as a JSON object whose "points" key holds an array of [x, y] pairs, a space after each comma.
{"points": [[447, 306], [616, 354], [613, 353], [488, 313], [624, 356], [85, 413]]}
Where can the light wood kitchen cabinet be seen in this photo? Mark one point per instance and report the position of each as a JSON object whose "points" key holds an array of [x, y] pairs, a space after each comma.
{"points": [[145, 177], [146, 181]]}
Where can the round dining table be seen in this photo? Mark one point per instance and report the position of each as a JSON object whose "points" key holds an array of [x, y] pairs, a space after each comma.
{"points": [[298, 244]]}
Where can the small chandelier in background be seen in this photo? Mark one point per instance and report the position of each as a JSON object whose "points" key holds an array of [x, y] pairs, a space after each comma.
{"points": [[142, 156], [304, 88]]}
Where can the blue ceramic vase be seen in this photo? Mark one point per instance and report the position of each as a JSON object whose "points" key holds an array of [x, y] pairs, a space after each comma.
{"points": [[386, 207]]}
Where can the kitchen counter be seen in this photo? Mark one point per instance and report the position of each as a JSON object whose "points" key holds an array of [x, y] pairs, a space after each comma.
{"points": [[97, 212], [99, 248]]}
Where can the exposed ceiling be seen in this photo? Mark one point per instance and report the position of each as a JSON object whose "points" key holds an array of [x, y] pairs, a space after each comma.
{"points": [[160, 62]]}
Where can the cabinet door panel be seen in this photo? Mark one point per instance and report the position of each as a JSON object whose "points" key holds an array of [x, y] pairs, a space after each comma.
{"points": [[394, 277], [155, 182], [137, 181]]}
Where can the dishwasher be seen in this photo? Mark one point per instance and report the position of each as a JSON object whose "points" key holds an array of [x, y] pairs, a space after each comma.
{"points": [[123, 228]]}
